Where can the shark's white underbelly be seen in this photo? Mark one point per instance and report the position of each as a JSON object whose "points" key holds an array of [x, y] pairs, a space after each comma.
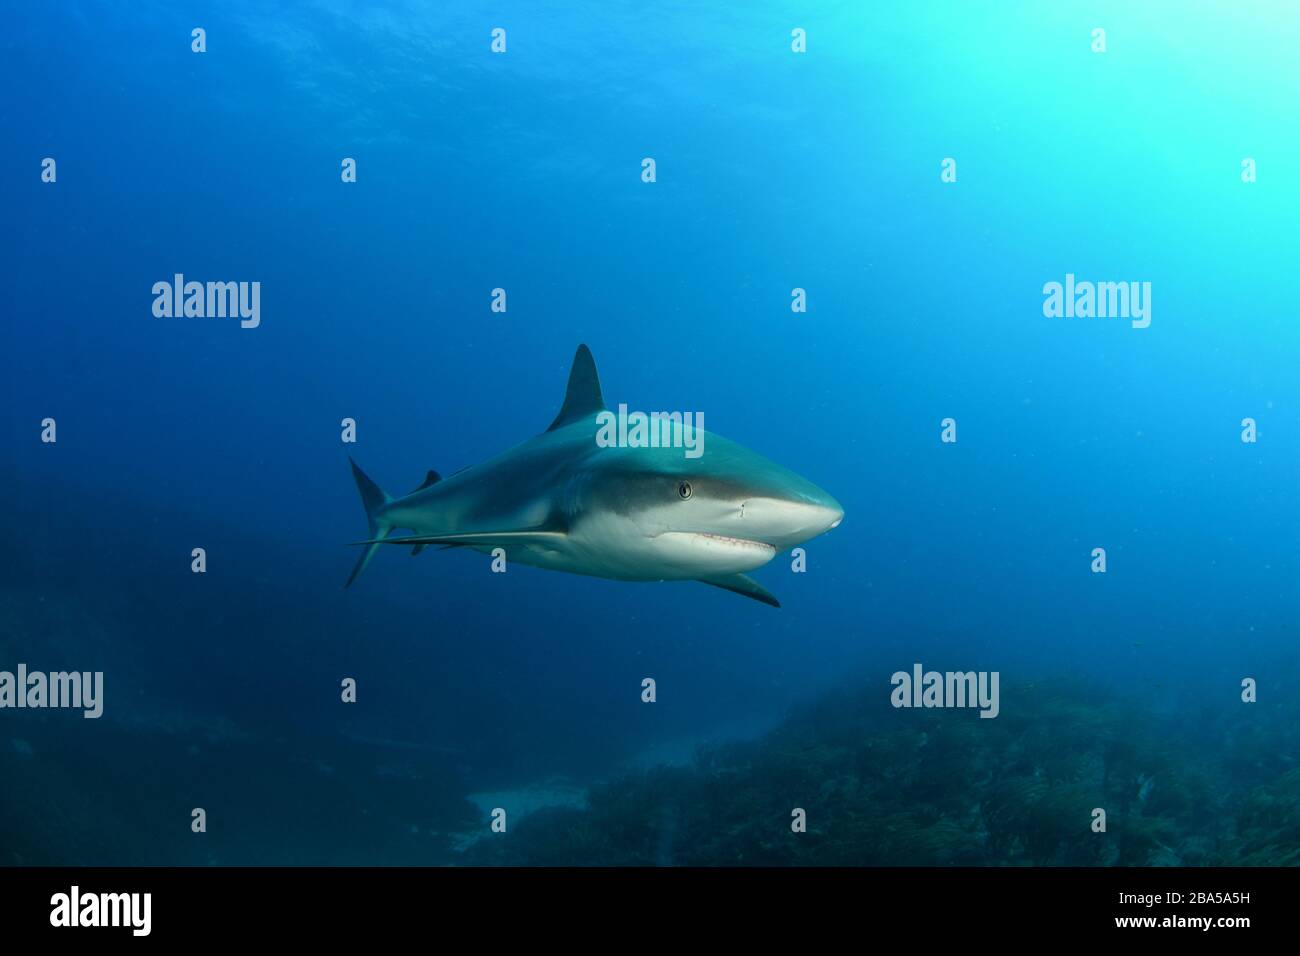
{"points": [[614, 549]]}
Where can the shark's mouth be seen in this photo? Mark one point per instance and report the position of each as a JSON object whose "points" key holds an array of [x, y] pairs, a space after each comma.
{"points": [[703, 553], [730, 542], [710, 547]]}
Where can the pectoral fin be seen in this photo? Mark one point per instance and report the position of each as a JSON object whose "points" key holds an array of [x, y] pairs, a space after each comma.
{"points": [[745, 585], [473, 539]]}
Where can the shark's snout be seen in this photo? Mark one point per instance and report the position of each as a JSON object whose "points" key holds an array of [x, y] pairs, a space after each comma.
{"points": [[787, 521], [835, 515]]}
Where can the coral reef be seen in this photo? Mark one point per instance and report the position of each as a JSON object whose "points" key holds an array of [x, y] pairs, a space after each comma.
{"points": [[944, 787]]}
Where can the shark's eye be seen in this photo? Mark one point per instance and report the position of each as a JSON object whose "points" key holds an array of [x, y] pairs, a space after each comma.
{"points": [[685, 490]]}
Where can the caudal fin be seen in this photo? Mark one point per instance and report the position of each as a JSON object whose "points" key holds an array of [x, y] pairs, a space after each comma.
{"points": [[372, 499]]}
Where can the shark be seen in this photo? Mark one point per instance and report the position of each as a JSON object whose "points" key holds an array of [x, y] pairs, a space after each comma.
{"points": [[564, 501]]}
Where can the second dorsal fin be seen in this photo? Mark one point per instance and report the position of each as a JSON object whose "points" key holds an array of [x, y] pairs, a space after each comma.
{"points": [[432, 478]]}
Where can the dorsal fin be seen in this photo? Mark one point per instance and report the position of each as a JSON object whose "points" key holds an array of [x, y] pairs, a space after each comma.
{"points": [[432, 478], [582, 398]]}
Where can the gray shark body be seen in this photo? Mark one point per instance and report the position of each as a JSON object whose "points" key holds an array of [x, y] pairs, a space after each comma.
{"points": [[562, 501]]}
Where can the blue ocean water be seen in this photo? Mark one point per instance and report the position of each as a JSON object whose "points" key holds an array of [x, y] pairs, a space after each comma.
{"points": [[775, 170]]}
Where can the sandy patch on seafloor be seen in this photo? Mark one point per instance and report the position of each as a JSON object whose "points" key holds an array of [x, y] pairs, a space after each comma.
{"points": [[519, 803]]}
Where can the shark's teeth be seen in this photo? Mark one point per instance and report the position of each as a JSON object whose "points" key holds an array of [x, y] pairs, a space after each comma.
{"points": [[735, 542]]}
